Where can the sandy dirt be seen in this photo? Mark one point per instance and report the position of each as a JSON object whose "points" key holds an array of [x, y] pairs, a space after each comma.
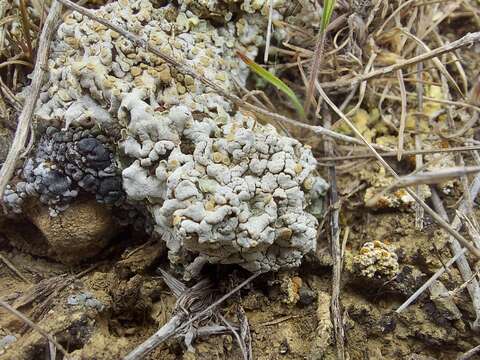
{"points": [[124, 302]]}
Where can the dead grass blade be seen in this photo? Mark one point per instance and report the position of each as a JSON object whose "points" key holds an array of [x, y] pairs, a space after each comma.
{"points": [[177, 324], [34, 326], [336, 250], [15, 62], [13, 269], [269, 31], [26, 28], [464, 41], [403, 115], [328, 6], [387, 167], [470, 353], [429, 282], [462, 264], [438, 64], [436, 176], [394, 153], [25, 118]]}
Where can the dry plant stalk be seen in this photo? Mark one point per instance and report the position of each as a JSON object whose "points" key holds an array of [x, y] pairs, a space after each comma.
{"points": [[178, 322], [429, 282], [403, 116], [473, 286], [336, 250], [435, 176], [464, 41], [26, 115], [433, 214], [14, 269], [470, 353], [34, 326], [394, 153]]}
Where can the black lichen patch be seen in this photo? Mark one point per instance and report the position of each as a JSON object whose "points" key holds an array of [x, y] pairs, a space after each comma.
{"points": [[64, 164]]}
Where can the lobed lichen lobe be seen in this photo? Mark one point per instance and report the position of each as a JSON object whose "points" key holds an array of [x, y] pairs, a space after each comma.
{"points": [[131, 130]]}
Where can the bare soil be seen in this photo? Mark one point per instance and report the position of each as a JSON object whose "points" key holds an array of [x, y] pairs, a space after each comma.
{"points": [[286, 323]]}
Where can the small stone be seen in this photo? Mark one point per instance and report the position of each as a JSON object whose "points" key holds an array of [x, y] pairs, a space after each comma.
{"points": [[307, 296]]}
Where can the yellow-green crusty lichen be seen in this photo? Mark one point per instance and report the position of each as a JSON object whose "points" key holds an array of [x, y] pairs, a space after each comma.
{"points": [[376, 259]]}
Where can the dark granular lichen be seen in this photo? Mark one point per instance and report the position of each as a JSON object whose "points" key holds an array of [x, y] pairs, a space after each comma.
{"points": [[64, 164]]}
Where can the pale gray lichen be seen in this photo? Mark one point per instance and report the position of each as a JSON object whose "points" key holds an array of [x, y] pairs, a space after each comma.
{"points": [[219, 187], [85, 299], [225, 188], [376, 259]]}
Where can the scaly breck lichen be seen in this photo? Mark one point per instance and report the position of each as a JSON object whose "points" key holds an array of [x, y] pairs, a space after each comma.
{"points": [[219, 186]]}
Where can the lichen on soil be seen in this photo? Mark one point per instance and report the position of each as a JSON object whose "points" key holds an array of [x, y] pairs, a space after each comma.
{"points": [[137, 166]]}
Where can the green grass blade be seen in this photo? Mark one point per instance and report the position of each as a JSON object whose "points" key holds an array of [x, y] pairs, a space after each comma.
{"points": [[328, 6], [275, 81]]}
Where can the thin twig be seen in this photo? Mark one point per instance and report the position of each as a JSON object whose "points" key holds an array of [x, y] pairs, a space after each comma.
{"points": [[269, 31], [403, 115], [387, 167], [26, 27], [25, 117], [472, 229], [317, 61], [436, 176], [394, 153], [165, 332], [462, 263], [221, 300], [33, 326], [279, 320], [14, 269], [430, 281], [470, 353], [10, 96], [52, 350], [336, 250], [436, 62], [177, 324], [241, 344], [464, 41], [419, 211], [457, 290]]}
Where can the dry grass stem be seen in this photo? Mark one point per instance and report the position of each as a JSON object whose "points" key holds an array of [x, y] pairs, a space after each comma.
{"points": [[34, 326], [13, 268], [436, 176], [403, 115], [387, 167], [177, 323], [269, 31], [438, 64], [336, 249], [464, 41], [429, 282], [419, 211], [25, 118], [470, 353], [462, 263]]}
